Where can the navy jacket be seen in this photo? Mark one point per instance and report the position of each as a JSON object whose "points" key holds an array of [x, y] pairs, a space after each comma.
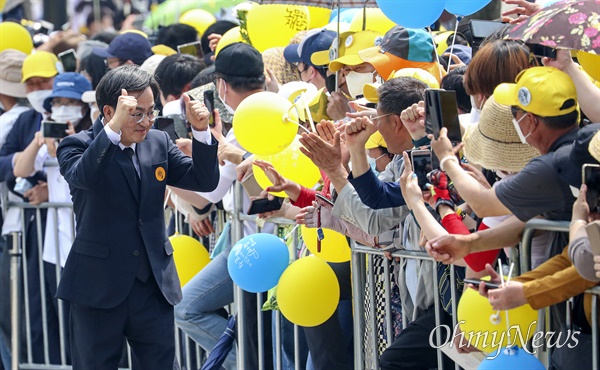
{"points": [[19, 137], [115, 220]]}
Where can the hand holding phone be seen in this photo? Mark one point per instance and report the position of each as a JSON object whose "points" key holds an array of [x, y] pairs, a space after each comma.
{"points": [[264, 205], [422, 165], [209, 101], [57, 130], [488, 284], [441, 110]]}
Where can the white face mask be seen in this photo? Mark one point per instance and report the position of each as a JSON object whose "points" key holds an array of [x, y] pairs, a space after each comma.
{"points": [[64, 113], [222, 99], [475, 110], [356, 81], [36, 99], [373, 163], [522, 137]]}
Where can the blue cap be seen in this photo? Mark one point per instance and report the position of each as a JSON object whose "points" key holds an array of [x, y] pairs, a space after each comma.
{"points": [[315, 40], [463, 53], [127, 46], [67, 85]]}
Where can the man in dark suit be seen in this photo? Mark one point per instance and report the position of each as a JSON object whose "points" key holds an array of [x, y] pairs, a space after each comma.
{"points": [[120, 276]]}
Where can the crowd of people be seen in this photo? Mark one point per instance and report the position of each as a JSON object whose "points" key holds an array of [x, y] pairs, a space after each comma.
{"points": [[523, 144]]}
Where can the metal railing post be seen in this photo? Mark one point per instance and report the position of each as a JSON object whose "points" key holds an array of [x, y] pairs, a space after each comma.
{"points": [[15, 261], [237, 228]]}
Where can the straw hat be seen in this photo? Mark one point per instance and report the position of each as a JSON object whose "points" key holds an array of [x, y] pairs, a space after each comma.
{"points": [[594, 147], [494, 143], [284, 71]]}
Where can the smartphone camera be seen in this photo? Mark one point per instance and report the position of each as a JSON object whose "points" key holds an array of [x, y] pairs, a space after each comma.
{"points": [[422, 165], [68, 60], [192, 48], [56, 130], [591, 178], [209, 101]]}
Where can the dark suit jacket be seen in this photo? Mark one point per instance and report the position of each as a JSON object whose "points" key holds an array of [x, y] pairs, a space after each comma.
{"points": [[115, 220]]}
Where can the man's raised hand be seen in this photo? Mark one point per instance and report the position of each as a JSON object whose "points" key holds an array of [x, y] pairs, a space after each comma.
{"points": [[126, 106], [196, 113]]}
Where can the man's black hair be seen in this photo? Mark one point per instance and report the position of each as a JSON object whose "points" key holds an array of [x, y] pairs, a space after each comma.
{"points": [[128, 77], [454, 81], [175, 72], [243, 84], [176, 34]]}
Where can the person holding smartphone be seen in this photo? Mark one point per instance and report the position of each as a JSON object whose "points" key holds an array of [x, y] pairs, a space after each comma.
{"points": [[584, 244]]}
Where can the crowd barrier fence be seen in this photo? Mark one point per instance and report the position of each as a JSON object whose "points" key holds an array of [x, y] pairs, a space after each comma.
{"points": [[190, 355]]}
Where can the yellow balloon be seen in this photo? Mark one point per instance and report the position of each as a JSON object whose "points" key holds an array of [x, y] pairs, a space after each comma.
{"points": [[264, 124], [590, 64], [480, 320], [308, 292], [15, 36], [190, 256], [291, 164], [275, 24], [319, 17], [230, 37], [376, 21], [200, 19], [334, 246]]}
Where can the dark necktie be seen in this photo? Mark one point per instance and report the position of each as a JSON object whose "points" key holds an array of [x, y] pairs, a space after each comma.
{"points": [[144, 269], [130, 153]]}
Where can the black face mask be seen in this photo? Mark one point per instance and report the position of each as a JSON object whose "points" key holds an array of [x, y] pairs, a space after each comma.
{"points": [[330, 83]]}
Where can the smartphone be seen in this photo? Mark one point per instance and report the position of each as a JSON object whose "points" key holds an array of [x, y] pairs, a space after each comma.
{"points": [[167, 125], [68, 60], [422, 165], [324, 199], [480, 29], [191, 48], [57, 130], [441, 110], [540, 51], [488, 284], [209, 101], [263, 205], [591, 178]]}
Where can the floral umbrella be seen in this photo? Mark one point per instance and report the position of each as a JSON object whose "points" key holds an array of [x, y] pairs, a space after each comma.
{"points": [[563, 25], [330, 4]]}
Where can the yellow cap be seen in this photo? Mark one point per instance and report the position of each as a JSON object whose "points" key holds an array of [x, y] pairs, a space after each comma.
{"points": [[370, 90], [544, 91], [375, 141], [39, 64], [351, 43], [163, 50]]}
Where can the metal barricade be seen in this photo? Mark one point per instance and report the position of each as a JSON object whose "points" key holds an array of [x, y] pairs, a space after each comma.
{"points": [[545, 318]]}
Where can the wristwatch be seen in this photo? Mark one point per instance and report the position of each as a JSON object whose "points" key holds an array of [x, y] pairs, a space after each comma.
{"points": [[246, 156]]}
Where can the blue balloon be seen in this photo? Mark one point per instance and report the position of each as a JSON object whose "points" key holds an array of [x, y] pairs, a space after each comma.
{"points": [[346, 15], [511, 358], [465, 7], [256, 262], [412, 13]]}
